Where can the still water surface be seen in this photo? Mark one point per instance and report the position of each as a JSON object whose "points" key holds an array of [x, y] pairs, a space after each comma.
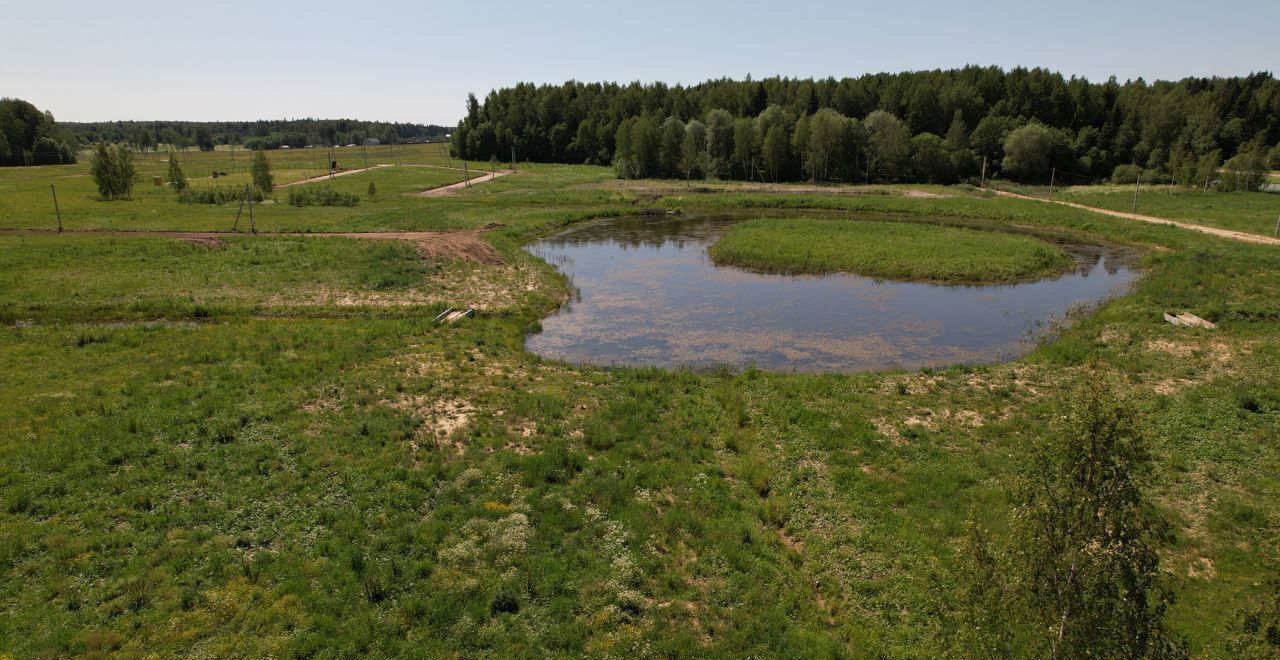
{"points": [[646, 293]]}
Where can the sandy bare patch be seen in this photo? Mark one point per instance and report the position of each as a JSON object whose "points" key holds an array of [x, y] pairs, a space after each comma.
{"points": [[483, 288], [207, 242], [1202, 568], [325, 403], [1112, 336], [1174, 348], [1171, 386], [791, 542], [1218, 354], [970, 418], [441, 417], [886, 428], [923, 194], [464, 245]]}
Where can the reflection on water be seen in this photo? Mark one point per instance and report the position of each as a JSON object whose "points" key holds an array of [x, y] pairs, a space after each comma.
{"points": [[646, 293]]}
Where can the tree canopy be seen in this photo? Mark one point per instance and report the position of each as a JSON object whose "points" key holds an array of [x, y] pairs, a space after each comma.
{"points": [[856, 129], [262, 134], [31, 137]]}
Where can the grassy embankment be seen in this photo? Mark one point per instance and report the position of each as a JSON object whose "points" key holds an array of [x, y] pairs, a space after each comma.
{"points": [[891, 250], [268, 452]]}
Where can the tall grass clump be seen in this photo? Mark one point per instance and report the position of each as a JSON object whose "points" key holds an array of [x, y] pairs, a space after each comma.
{"points": [[321, 196], [217, 195]]}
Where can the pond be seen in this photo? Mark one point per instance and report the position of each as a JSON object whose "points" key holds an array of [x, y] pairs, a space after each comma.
{"points": [[647, 293]]}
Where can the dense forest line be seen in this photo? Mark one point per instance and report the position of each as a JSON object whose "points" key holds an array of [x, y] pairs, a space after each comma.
{"points": [[937, 126], [31, 137], [261, 134]]}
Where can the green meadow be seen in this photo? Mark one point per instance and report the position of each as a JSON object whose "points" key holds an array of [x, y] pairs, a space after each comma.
{"points": [[264, 446], [892, 250], [1252, 212]]}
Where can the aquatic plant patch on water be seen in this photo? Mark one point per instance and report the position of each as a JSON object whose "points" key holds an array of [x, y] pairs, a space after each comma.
{"points": [[891, 250]]}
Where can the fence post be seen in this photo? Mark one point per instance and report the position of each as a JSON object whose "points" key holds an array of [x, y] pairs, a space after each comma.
{"points": [[236, 226], [55, 207], [253, 226]]}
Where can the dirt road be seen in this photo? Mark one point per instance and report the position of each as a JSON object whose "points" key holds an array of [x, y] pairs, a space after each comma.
{"points": [[451, 189], [1215, 231], [322, 177]]}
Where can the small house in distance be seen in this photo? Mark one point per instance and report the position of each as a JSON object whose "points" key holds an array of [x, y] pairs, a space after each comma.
{"points": [[372, 142]]}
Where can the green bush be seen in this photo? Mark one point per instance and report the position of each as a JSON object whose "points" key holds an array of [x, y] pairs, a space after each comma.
{"points": [[261, 172], [112, 171], [321, 196], [1126, 174]]}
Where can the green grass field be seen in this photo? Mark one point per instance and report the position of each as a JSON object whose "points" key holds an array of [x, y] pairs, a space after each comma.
{"points": [[26, 201], [266, 447], [1254, 212], [891, 250]]}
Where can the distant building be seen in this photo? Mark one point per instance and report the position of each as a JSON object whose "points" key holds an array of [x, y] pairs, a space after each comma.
{"points": [[372, 142]]}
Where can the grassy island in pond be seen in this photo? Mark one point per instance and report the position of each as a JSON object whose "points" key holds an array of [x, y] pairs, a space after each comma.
{"points": [[892, 250]]}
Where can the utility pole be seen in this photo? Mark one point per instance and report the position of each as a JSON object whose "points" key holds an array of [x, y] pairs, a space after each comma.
{"points": [[1274, 233], [513, 158], [466, 175], [1052, 175], [1135, 193], [55, 207], [364, 149], [982, 183]]}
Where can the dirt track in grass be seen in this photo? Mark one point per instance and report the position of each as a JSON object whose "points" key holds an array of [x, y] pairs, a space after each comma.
{"points": [[1224, 233]]}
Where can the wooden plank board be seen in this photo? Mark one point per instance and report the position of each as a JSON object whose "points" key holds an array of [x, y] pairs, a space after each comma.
{"points": [[452, 315], [1189, 320]]}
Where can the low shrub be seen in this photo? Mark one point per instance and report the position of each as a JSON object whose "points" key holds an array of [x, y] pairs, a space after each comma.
{"points": [[216, 195], [321, 196], [1126, 174]]}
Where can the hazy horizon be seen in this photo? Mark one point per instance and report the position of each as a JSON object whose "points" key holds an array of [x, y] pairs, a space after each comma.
{"points": [[417, 62]]}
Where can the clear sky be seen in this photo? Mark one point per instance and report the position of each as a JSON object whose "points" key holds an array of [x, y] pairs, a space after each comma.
{"points": [[416, 61]]}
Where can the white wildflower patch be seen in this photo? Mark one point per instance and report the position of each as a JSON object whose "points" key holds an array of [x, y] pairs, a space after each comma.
{"points": [[499, 543], [624, 574]]}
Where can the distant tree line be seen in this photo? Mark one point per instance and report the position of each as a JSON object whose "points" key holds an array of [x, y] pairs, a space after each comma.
{"points": [[262, 134], [31, 137], [934, 126]]}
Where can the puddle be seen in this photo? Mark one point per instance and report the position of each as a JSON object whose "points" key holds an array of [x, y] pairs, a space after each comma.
{"points": [[646, 293]]}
